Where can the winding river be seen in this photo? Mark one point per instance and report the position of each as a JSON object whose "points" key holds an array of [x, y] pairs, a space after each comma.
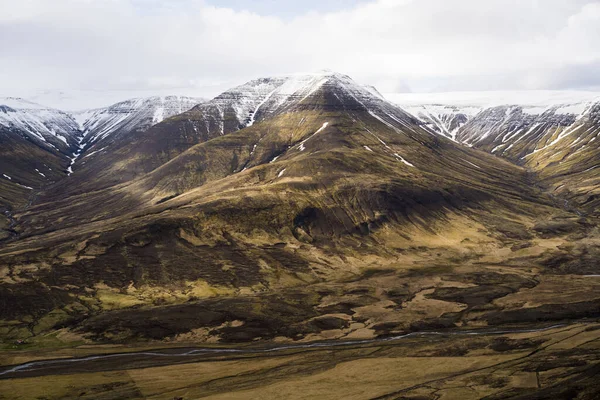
{"points": [[90, 363]]}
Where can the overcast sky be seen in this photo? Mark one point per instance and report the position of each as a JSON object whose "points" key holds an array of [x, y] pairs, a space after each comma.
{"points": [[101, 51]]}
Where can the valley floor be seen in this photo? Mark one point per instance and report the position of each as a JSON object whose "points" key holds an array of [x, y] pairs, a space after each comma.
{"points": [[548, 363], [499, 322]]}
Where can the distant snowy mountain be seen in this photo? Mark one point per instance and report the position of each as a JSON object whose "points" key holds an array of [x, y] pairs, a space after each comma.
{"points": [[561, 145], [49, 127], [130, 115], [447, 113], [553, 133], [516, 131], [36, 143], [443, 119], [511, 124], [42, 144]]}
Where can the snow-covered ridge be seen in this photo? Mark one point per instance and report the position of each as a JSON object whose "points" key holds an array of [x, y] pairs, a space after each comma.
{"points": [[130, 115], [244, 105], [447, 113], [516, 122], [443, 119], [261, 97], [22, 104], [73, 135], [536, 128], [50, 127]]}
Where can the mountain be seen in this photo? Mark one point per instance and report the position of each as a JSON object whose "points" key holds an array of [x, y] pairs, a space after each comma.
{"points": [[557, 141], [496, 129], [36, 144], [559, 144], [445, 120], [286, 207], [310, 208], [41, 145], [103, 131], [140, 152], [130, 115], [49, 127], [303, 209]]}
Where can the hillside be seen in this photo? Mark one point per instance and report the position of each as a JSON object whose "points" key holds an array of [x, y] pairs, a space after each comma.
{"points": [[326, 209], [552, 134], [36, 144]]}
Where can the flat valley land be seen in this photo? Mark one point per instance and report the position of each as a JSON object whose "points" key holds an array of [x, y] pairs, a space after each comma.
{"points": [[551, 363]]}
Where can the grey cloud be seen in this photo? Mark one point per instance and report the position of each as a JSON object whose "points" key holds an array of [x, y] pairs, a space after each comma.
{"points": [[133, 46]]}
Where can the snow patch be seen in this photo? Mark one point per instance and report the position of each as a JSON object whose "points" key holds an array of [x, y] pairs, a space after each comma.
{"points": [[301, 147], [159, 112], [476, 166], [253, 113], [399, 157]]}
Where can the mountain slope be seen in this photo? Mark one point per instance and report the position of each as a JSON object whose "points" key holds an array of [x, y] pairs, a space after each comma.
{"points": [[104, 131], [36, 144], [130, 115], [559, 144], [553, 134], [52, 128], [140, 152], [41, 145], [327, 185]]}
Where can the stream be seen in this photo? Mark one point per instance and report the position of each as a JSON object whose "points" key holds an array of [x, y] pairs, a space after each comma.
{"points": [[91, 363]]}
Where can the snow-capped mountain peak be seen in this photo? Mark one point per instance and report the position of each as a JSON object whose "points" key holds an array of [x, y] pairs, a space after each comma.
{"points": [[265, 97]]}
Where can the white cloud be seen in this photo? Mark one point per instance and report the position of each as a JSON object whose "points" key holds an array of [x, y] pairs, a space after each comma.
{"points": [[107, 49]]}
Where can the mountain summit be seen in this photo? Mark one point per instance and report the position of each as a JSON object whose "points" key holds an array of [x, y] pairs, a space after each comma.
{"points": [[262, 98]]}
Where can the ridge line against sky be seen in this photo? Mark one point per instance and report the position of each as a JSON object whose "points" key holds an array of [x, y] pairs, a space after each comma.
{"points": [[90, 53]]}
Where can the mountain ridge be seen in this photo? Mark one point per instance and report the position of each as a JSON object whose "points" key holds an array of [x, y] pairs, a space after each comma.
{"points": [[555, 139]]}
